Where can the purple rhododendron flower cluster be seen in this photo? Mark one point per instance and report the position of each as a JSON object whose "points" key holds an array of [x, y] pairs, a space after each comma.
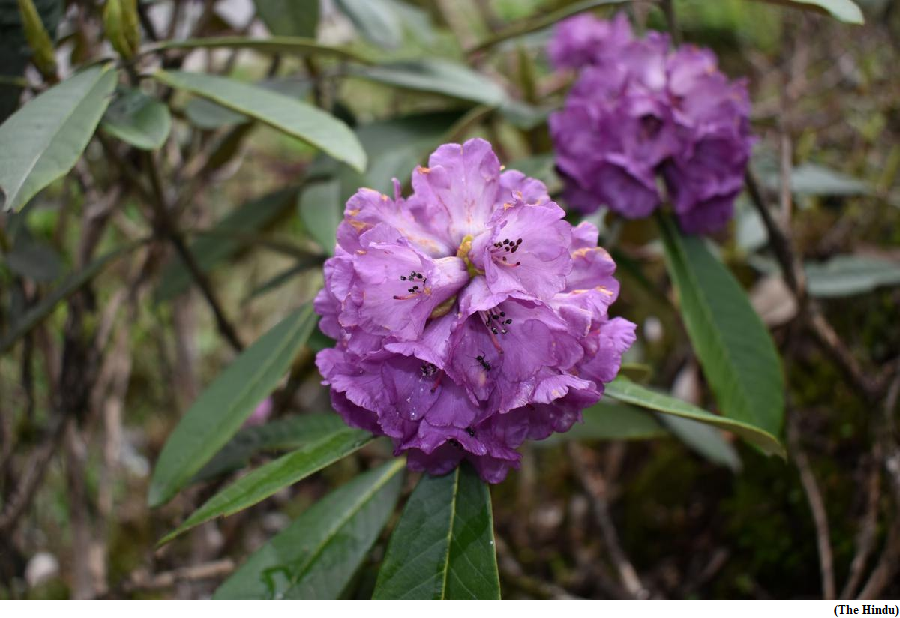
{"points": [[469, 316], [639, 110]]}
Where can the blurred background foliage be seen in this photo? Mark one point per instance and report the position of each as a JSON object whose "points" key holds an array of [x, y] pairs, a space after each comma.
{"points": [[258, 210]]}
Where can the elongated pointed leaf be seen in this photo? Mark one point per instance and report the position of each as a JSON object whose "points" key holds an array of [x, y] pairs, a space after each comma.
{"points": [[69, 286], [611, 420], [289, 17], [376, 20], [221, 409], [281, 434], [437, 76], [316, 556], [43, 140], [704, 439], [847, 275], [275, 475], [733, 345], [844, 10], [321, 211], [281, 112], [443, 547], [628, 392], [294, 45], [138, 119]]}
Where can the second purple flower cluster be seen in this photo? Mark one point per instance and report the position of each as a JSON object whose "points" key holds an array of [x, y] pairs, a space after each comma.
{"points": [[640, 111]]}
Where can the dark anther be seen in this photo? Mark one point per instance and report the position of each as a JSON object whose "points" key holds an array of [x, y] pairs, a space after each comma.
{"points": [[518, 263], [508, 321], [502, 314], [506, 241], [411, 290], [513, 250], [402, 278], [494, 330], [519, 242], [453, 442], [470, 431]]}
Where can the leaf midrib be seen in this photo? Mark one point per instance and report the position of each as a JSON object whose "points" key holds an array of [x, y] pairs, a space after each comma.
{"points": [[364, 499]]}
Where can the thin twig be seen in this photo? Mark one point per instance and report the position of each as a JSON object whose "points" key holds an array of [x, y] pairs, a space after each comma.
{"points": [[817, 506], [513, 572], [865, 539], [141, 580], [596, 488], [174, 236]]}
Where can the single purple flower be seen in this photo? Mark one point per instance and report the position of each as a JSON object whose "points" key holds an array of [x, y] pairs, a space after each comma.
{"points": [[469, 316], [639, 112]]}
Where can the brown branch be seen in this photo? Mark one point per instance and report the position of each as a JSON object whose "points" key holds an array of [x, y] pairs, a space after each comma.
{"points": [[865, 539], [596, 488], [171, 232], [141, 580], [513, 572], [817, 506]]}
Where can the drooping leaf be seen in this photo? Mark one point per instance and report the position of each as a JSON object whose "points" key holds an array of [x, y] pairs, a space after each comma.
{"points": [[438, 76], [50, 134], [609, 420], [284, 44], [281, 434], [316, 556], [734, 347], [703, 439], [221, 409], [321, 211], [811, 179], [69, 286], [213, 249], [275, 475], [289, 17], [443, 546], [844, 10], [376, 20], [539, 22], [848, 275], [138, 119], [33, 259], [396, 145], [628, 392], [281, 112]]}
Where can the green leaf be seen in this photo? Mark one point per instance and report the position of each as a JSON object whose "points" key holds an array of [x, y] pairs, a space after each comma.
{"points": [[221, 409], [848, 275], [611, 421], [321, 212], [50, 134], [316, 556], [69, 286], [273, 476], [817, 180], [703, 439], [212, 249], [281, 112], [540, 22], [443, 546], [289, 45], [376, 20], [33, 259], [734, 347], [628, 392], [289, 17], [138, 119], [437, 76], [844, 10], [395, 146], [282, 434]]}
